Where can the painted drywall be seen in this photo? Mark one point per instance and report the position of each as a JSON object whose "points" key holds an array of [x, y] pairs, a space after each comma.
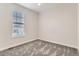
{"points": [[6, 40], [59, 24], [78, 25]]}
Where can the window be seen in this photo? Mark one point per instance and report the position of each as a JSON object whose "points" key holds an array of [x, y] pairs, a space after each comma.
{"points": [[18, 24]]}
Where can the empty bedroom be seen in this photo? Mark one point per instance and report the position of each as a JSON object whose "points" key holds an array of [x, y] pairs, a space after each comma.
{"points": [[39, 29]]}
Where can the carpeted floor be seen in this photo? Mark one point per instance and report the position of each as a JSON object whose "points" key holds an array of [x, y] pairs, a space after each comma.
{"points": [[40, 48]]}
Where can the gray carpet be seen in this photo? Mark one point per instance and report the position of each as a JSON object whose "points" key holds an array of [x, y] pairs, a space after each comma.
{"points": [[40, 48]]}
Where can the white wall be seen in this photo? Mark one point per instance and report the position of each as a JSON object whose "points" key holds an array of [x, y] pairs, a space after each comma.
{"points": [[6, 41], [59, 24], [78, 25]]}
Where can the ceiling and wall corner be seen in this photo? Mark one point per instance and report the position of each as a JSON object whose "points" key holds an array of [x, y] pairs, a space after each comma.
{"points": [[38, 8], [32, 6]]}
